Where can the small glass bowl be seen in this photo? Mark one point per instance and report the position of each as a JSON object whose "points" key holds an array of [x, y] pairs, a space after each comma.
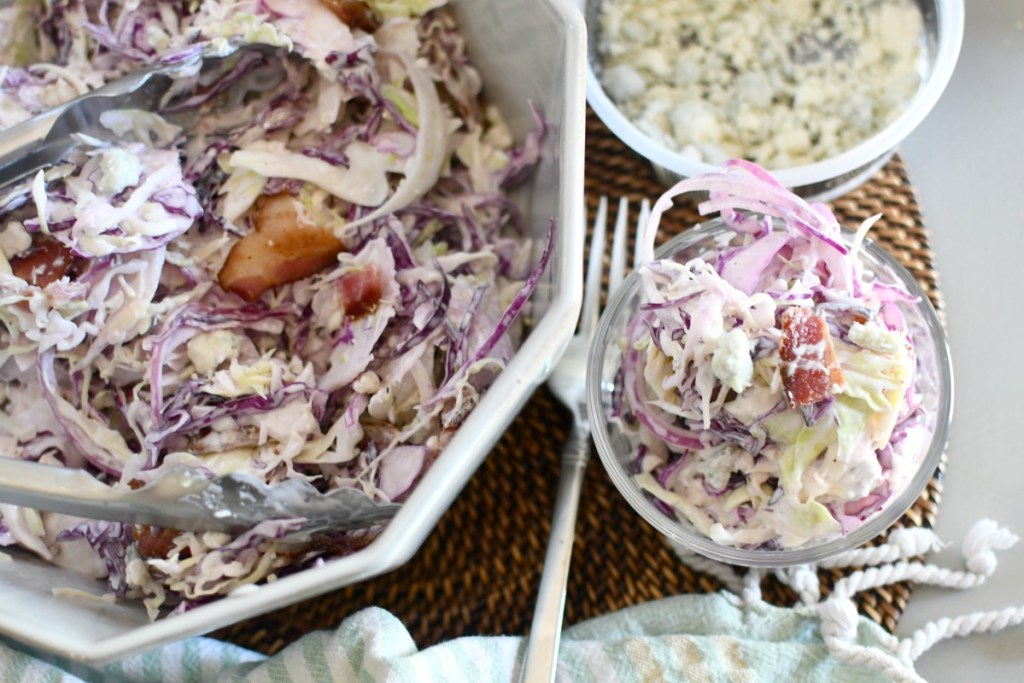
{"points": [[934, 381]]}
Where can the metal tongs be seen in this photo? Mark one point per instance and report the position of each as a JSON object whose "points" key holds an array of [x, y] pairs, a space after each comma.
{"points": [[181, 499], [184, 499], [44, 139]]}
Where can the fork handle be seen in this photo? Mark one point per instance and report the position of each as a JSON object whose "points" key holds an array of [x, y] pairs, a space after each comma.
{"points": [[546, 629]]}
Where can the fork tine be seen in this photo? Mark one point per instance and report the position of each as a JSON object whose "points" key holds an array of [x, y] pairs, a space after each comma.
{"points": [[592, 286], [618, 256], [641, 224]]}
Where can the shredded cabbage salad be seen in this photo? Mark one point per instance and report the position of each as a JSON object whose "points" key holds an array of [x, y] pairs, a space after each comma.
{"points": [[768, 386], [306, 264]]}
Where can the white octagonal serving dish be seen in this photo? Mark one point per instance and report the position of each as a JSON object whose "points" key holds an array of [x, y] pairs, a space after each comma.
{"points": [[527, 51]]}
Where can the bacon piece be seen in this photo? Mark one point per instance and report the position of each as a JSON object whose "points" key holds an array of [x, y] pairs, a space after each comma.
{"points": [[46, 261], [353, 13], [361, 291], [153, 541], [285, 246], [810, 370]]}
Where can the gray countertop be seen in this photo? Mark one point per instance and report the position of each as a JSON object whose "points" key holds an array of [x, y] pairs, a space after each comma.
{"points": [[966, 161]]}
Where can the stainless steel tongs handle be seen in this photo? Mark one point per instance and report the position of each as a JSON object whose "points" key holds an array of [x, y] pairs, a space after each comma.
{"points": [[76, 492], [186, 500], [81, 115], [42, 140]]}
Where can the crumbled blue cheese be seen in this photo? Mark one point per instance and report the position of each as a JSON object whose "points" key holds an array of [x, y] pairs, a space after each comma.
{"points": [[251, 27], [732, 363], [367, 383], [14, 239], [241, 379], [716, 465], [623, 82], [874, 337], [144, 126], [208, 350], [120, 169], [784, 84]]}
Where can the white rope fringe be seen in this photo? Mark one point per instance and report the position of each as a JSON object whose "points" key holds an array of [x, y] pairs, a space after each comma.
{"points": [[977, 622], [838, 614], [725, 573], [902, 544], [884, 565], [752, 586], [804, 580]]}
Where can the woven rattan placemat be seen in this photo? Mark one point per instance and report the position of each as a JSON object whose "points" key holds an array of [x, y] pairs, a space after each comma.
{"points": [[478, 571]]}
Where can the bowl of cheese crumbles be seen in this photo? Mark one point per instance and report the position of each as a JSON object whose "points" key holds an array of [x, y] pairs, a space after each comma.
{"points": [[820, 92]]}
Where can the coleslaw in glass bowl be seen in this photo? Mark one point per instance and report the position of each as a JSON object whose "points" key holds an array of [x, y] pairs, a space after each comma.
{"points": [[768, 390]]}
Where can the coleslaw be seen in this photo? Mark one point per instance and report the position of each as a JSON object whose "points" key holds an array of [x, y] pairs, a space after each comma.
{"points": [[306, 264], [767, 387]]}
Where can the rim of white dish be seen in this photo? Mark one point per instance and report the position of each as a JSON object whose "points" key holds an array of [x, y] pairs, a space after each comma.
{"points": [[950, 20]]}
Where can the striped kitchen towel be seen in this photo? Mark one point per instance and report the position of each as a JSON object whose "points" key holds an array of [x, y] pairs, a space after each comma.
{"points": [[685, 638]]}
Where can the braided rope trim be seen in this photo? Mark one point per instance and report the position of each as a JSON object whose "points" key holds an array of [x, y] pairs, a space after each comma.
{"points": [[883, 565]]}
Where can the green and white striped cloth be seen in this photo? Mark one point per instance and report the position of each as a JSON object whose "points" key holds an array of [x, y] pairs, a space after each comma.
{"points": [[686, 638]]}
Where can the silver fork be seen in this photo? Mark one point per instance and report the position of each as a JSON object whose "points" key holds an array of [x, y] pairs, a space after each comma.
{"points": [[568, 384]]}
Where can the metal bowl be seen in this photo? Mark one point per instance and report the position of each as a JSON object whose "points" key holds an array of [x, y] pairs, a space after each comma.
{"points": [[823, 180]]}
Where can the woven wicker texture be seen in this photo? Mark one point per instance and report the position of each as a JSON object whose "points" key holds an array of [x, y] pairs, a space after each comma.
{"points": [[478, 571]]}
